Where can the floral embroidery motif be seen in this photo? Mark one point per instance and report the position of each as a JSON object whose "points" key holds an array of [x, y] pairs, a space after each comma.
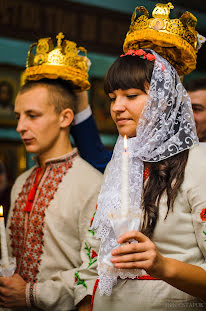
{"points": [[203, 214], [92, 219], [27, 237], [94, 254], [203, 218], [79, 281], [91, 222], [91, 254], [204, 234], [91, 231]]}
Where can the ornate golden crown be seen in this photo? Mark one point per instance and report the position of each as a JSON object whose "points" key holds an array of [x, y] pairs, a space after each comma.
{"points": [[62, 61], [174, 39]]}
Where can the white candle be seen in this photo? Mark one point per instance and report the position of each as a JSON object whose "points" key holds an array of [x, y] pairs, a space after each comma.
{"points": [[4, 250], [125, 180]]}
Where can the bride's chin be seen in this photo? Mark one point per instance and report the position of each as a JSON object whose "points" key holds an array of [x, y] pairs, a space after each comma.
{"points": [[129, 135]]}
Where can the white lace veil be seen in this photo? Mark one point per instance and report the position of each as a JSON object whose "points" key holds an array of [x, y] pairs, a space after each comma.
{"points": [[166, 127]]}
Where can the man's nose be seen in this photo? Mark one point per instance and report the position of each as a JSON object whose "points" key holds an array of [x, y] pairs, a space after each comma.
{"points": [[21, 126]]}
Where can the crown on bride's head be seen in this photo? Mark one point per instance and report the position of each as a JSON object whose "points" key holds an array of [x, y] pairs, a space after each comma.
{"points": [[174, 39], [61, 61]]}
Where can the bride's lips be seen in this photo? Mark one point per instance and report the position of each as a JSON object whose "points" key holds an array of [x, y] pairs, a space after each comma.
{"points": [[122, 121]]}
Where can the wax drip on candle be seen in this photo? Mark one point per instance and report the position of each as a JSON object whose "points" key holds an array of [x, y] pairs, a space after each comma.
{"points": [[4, 250]]}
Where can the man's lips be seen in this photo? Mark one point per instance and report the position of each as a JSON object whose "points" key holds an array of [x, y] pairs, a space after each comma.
{"points": [[27, 140]]}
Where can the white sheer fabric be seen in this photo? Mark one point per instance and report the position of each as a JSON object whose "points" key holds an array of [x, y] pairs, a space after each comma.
{"points": [[166, 127]]}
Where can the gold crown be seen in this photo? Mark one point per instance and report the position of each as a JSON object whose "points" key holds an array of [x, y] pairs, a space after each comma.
{"points": [[174, 39], [62, 61]]}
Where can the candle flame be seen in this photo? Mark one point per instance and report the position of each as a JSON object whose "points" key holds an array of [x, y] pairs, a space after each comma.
{"points": [[1, 211], [125, 143]]}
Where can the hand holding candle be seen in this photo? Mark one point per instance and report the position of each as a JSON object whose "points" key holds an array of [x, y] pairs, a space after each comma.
{"points": [[4, 250]]}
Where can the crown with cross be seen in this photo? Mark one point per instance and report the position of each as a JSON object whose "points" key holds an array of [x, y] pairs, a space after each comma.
{"points": [[174, 39], [61, 61]]}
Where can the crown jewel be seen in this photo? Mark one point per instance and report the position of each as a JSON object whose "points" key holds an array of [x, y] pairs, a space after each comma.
{"points": [[174, 39], [63, 61]]}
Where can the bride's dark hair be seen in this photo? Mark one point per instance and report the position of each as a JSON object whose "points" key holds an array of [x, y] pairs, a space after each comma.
{"points": [[166, 176], [128, 72]]}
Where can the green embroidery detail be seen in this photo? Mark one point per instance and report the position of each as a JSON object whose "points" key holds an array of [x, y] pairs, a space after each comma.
{"points": [[204, 234], [92, 232], [79, 281], [91, 255], [91, 221], [91, 263]]}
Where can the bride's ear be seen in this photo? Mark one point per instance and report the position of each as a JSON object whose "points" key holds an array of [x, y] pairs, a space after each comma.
{"points": [[146, 86]]}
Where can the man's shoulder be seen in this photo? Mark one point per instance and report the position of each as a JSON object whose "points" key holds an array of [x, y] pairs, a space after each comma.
{"points": [[20, 180], [85, 175], [86, 169]]}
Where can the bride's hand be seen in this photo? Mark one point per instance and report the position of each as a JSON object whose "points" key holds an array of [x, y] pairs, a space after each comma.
{"points": [[141, 255]]}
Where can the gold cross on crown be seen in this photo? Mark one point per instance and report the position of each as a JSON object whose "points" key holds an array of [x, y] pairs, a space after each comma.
{"points": [[59, 37]]}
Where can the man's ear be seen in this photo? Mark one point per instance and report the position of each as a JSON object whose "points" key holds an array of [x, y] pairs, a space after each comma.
{"points": [[66, 117]]}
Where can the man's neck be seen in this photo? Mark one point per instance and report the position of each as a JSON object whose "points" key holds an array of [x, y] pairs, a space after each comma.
{"points": [[58, 152]]}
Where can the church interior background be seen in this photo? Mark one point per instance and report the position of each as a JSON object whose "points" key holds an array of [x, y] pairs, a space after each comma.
{"points": [[99, 26]]}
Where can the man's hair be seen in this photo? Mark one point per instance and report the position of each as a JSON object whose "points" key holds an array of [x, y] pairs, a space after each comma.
{"points": [[61, 93], [196, 85]]}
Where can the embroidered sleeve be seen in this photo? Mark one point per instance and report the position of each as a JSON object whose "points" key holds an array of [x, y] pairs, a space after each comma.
{"points": [[86, 274], [31, 295], [197, 199], [200, 229]]}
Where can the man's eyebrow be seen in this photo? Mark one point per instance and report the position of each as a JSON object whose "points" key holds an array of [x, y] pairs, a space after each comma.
{"points": [[30, 110], [27, 111]]}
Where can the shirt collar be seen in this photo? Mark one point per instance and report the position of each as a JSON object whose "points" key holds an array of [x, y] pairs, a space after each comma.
{"points": [[63, 158]]}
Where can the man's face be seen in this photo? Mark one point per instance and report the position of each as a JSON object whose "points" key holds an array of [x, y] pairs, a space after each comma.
{"points": [[198, 101], [38, 122]]}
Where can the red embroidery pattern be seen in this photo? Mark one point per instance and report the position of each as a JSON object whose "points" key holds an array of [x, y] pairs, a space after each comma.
{"points": [[93, 294], [146, 173], [28, 246], [18, 218], [143, 277], [146, 277], [94, 254], [91, 222], [203, 214], [32, 192], [91, 255]]}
